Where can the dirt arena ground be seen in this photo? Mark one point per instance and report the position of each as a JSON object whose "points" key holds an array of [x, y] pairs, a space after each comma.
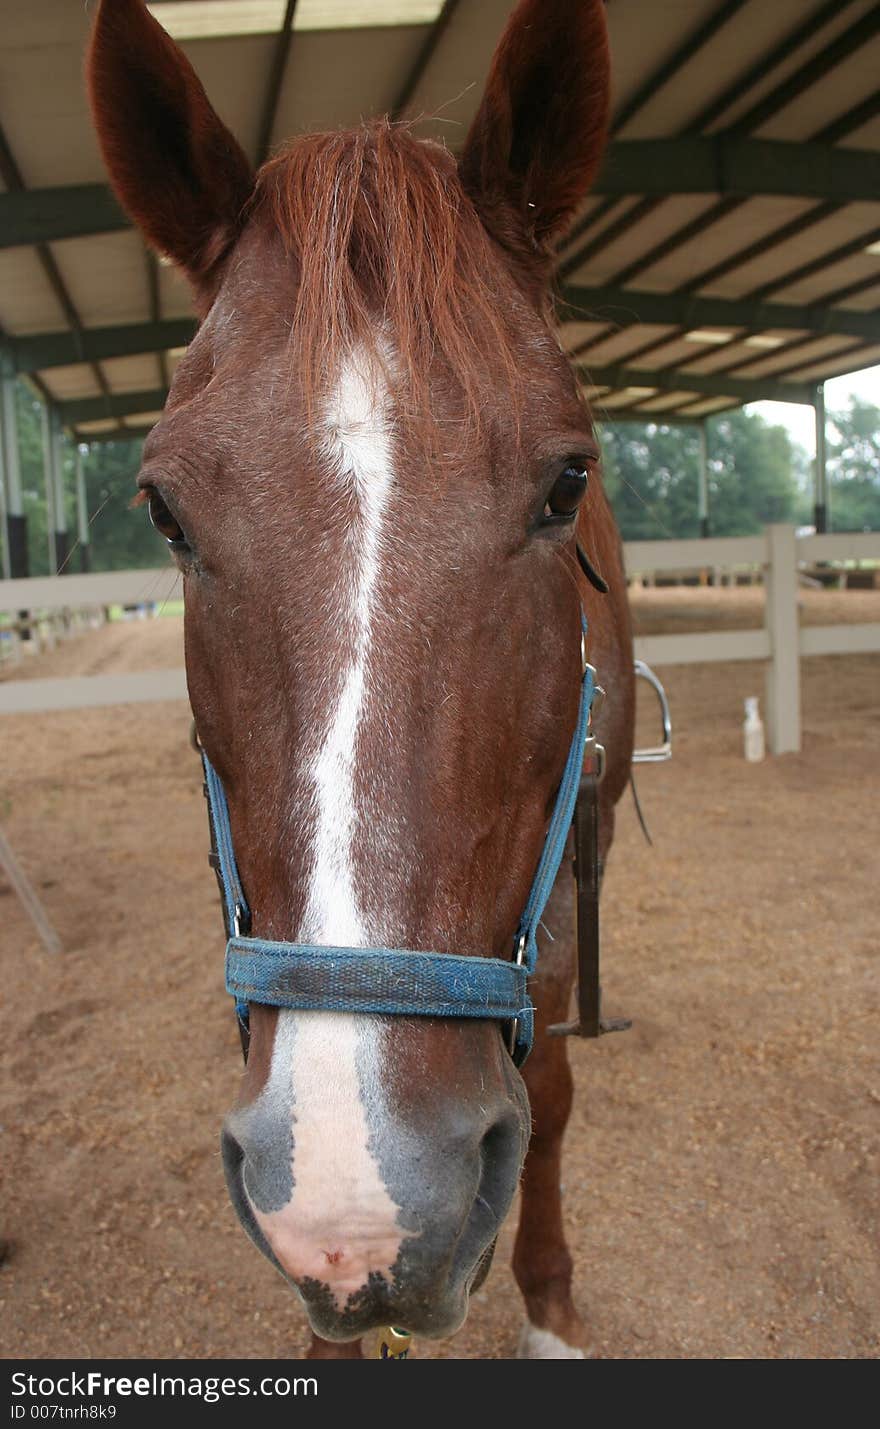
{"points": [[721, 1174]]}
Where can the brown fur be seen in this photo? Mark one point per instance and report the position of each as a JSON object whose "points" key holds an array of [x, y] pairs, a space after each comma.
{"points": [[187, 181], [537, 140], [343, 237], [386, 243]]}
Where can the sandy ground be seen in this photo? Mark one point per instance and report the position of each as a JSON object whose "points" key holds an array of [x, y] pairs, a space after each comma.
{"points": [[721, 1175]]}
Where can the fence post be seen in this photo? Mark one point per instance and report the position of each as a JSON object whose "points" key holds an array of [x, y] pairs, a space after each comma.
{"points": [[783, 690], [10, 474], [56, 451], [703, 479], [49, 479], [820, 479], [82, 514]]}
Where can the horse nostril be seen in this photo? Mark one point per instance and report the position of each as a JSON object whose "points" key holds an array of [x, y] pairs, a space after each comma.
{"points": [[501, 1155], [232, 1154]]}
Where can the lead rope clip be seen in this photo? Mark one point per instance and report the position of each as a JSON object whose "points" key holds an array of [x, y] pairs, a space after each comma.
{"points": [[392, 1344]]}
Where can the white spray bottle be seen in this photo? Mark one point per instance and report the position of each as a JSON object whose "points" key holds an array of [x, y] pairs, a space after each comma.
{"points": [[753, 732]]}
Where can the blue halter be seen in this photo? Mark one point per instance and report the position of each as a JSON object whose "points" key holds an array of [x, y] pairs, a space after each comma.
{"points": [[397, 982]]}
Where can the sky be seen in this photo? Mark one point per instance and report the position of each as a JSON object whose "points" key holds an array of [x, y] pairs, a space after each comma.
{"points": [[800, 421]]}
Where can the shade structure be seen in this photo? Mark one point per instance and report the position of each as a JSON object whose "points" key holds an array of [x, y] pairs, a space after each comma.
{"points": [[730, 250]]}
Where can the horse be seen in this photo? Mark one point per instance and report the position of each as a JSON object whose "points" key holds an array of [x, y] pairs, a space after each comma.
{"points": [[373, 471]]}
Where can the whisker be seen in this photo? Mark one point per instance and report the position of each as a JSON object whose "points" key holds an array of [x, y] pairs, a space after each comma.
{"points": [[170, 592], [75, 547]]}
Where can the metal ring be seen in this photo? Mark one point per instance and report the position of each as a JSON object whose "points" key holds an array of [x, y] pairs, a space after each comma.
{"points": [[657, 753]]}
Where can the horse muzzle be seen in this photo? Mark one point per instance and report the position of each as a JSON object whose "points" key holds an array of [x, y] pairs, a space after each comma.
{"points": [[365, 1248]]}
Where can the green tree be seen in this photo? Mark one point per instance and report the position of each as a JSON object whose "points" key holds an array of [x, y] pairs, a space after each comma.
{"points": [[33, 488], [120, 536], [853, 464], [752, 475], [651, 474]]}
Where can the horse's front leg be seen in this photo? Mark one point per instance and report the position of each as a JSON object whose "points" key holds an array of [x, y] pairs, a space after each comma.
{"points": [[542, 1262]]}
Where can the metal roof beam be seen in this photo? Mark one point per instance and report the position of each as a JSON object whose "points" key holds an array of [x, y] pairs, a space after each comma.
{"points": [[739, 390], [14, 181], [727, 164], [741, 364], [809, 73], [614, 415], [676, 61], [118, 404], [787, 46], [43, 215], [702, 120], [850, 353], [119, 434], [802, 78], [687, 310], [94, 409], [275, 80], [62, 349], [690, 164], [423, 59]]}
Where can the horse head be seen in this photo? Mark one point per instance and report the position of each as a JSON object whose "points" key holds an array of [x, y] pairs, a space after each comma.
{"points": [[371, 471]]}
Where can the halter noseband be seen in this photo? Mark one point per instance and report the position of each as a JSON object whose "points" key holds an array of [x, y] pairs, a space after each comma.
{"points": [[397, 982]]}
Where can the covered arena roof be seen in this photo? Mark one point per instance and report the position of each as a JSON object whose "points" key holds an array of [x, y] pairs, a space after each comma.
{"points": [[730, 251]]}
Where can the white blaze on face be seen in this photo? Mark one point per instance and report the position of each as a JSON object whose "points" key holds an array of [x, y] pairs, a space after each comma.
{"points": [[357, 439], [340, 1223]]}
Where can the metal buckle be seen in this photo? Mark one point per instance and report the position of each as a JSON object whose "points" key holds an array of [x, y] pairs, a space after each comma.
{"points": [[518, 960], [593, 750], [392, 1343], [237, 917]]}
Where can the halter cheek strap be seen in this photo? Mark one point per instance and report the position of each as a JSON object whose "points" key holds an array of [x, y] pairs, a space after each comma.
{"points": [[396, 982]]}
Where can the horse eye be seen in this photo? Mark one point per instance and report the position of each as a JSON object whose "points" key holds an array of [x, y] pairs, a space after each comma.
{"points": [[166, 524], [568, 492]]}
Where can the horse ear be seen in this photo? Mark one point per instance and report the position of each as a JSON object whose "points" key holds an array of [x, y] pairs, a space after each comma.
{"points": [[175, 168], [537, 141]]}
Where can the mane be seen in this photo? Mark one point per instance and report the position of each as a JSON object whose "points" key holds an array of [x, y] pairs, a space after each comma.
{"points": [[391, 253]]}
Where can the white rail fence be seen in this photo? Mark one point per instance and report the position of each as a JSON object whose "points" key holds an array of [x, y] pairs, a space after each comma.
{"points": [[778, 554]]}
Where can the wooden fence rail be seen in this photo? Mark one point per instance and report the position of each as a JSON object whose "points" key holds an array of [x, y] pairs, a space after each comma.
{"points": [[778, 553]]}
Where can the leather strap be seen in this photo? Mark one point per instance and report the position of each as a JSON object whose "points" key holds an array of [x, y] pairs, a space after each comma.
{"points": [[587, 869], [596, 580], [588, 881]]}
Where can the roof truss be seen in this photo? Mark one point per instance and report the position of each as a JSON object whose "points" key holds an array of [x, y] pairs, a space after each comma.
{"points": [[704, 385], [576, 304], [720, 164], [690, 310], [95, 409], [63, 349], [731, 164]]}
